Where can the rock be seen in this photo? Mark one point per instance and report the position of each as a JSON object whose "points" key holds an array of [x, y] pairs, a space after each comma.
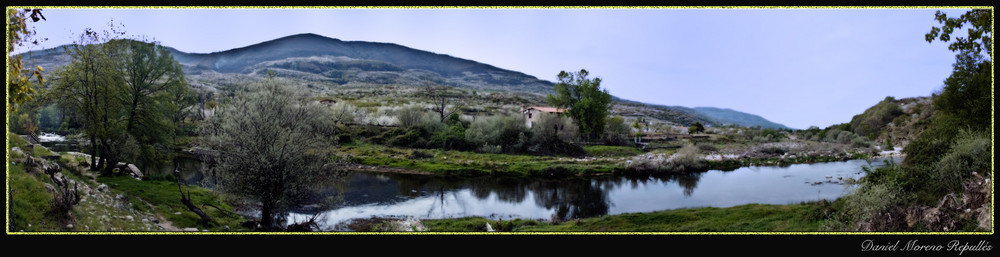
{"points": [[177, 213], [50, 188], [145, 220], [130, 218], [54, 157], [190, 230], [69, 226], [59, 179], [488, 227], [102, 188], [51, 168], [134, 170]]}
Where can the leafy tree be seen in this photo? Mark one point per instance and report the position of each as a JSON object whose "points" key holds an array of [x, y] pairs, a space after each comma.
{"points": [[981, 21], [273, 142], [89, 84], [696, 127], [588, 104], [617, 131], [19, 89]]}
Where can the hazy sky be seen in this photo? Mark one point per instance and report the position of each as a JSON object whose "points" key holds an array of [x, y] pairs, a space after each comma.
{"points": [[798, 67]]}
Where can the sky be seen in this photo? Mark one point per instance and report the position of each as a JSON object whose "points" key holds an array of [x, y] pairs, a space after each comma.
{"points": [[799, 67]]}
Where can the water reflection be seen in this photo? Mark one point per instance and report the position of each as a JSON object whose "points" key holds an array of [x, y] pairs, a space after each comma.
{"points": [[423, 196]]}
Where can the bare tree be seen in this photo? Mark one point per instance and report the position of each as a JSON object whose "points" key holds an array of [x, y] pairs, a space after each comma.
{"points": [[274, 145], [442, 98]]}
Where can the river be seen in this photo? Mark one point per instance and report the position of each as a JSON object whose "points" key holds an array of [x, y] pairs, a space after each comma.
{"points": [[431, 197]]}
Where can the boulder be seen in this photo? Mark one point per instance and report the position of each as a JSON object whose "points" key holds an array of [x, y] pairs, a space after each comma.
{"points": [[59, 179], [50, 188], [190, 230], [102, 188], [130, 169]]}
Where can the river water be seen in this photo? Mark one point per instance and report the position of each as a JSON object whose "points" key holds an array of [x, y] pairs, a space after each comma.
{"points": [[431, 197]]}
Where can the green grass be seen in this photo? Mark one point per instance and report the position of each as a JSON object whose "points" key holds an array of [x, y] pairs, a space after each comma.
{"points": [[30, 203], [16, 141], [611, 151], [743, 218], [472, 163], [165, 199]]}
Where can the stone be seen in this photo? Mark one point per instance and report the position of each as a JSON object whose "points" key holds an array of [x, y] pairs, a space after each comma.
{"points": [[59, 179], [130, 218], [134, 171], [50, 188], [102, 188], [190, 230], [177, 213], [69, 226]]}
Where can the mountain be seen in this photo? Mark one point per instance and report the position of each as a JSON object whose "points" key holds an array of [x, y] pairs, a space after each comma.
{"points": [[325, 63], [342, 62], [728, 116]]}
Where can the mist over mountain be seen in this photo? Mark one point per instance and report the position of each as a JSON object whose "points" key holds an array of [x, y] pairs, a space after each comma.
{"points": [[325, 63]]}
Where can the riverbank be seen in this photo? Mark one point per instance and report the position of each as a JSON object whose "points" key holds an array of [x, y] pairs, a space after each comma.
{"points": [[802, 217], [601, 161], [41, 187]]}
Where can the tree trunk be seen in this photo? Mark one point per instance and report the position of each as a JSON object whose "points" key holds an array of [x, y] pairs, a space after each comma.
{"points": [[186, 200], [267, 217], [93, 154]]}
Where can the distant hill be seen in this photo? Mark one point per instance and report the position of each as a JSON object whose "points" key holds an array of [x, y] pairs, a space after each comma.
{"points": [[325, 63], [728, 116]]}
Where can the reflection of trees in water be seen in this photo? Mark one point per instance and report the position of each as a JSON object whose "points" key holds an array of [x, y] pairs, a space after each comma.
{"points": [[571, 198], [689, 181]]}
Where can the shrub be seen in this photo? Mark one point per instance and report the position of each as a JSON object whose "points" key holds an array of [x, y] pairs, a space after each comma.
{"points": [[706, 147], [688, 158], [875, 207], [617, 132], [550, 128], [860, 142], [871, 122], [969, 153]]}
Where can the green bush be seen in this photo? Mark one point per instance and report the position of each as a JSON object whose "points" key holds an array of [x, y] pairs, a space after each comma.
{"points": [[969, 153], [871, 122], [617, 132], [860, 142]]}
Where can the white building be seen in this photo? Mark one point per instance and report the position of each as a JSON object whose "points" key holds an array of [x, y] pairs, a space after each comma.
{"points": [[531, 113]]}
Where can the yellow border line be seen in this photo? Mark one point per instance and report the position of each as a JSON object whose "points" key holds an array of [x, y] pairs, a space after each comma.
{"points": [[7, 125]]}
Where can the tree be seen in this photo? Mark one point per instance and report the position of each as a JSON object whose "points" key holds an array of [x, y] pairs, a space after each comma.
{"points": [[588, 104], [981, 21], [154, 91], [88, 85], [696, 127], [441, 98], [18, 33], [273, 144]]}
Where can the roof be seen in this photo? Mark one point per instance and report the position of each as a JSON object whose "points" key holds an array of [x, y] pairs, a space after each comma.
{"points": [[547, 109]]}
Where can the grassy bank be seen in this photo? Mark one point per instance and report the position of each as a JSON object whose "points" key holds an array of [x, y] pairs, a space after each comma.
{"points": [[163, 197], [603, 160], [805, 217], [471, 163]]}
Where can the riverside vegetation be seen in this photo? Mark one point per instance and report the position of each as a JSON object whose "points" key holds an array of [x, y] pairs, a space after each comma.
{"points": [[459, 131]]}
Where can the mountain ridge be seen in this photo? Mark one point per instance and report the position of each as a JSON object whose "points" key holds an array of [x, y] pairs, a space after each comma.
{"points": [[327, 60]]}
